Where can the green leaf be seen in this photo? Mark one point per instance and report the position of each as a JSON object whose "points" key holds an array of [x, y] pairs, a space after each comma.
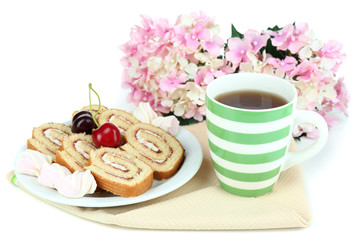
{"points": [[298, 139], [183, 122], [272, 50], [235, 33], [275, 28], [189, 121]]}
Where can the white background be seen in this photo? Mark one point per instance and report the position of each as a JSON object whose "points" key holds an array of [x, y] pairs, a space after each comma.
{"points": [[51, 50]]}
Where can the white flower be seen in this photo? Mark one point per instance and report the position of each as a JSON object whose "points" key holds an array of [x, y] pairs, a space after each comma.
{"points": [[191, 69], [132, 70], [279, 73], [305, 52], [167, 103], [195, 94], [177, 94], [316, 45], [179, 108], [246, 67], [215, 29], [209, 61], [313, 45], [268, 70], [175, 61], [187, 20], [258, 65], [327, 63], [154, 63], [328, 91], [308, 94]]}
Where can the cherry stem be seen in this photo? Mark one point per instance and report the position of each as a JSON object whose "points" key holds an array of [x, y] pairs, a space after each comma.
{"points": [[92, 114]]}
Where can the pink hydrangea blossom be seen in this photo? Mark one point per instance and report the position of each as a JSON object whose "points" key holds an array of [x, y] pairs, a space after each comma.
{"points": [[287, 65], [170, 65], [332, 49], [343, 97], [290, 37], [161, 57], [172, 81], [303, 71], [310, 130], [257, 40], [237, 50], [214, 46], [205, 76], [296, 55]]}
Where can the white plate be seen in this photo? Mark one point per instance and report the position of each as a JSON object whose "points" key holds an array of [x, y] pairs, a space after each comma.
{"points": [[190, 166]]}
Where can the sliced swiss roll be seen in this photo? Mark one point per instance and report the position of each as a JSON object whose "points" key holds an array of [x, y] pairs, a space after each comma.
{"points": [[119, 172], [162, 151], [48, 137], [74, 152], [122, 119]]}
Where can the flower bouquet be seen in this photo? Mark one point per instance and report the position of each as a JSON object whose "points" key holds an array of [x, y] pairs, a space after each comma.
{"points": [[293, 53], [169, 66]]}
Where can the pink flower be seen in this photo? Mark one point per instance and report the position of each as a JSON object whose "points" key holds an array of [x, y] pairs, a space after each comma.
{"points": [[205, 76], [194, 111], [298, 38], [330, 119], [172, 81], [162, 29], [202, 76], [257, 40], [286, 65], [237, 50], [290, 37], [202, 20], [303, 71], [191, 39], [343, 97], [199, 37], [214, 47], [136, 96], [280, 38], [310, 130], [332, 49]]}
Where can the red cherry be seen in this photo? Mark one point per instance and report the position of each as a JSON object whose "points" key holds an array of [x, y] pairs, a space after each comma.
{"points": [[107, 135]]}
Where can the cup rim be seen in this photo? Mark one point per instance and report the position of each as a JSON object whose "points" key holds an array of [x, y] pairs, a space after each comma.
{"points": [[252, 110]]}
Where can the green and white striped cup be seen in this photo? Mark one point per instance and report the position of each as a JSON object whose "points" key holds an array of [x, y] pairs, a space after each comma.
{"points": [[249, 148]]}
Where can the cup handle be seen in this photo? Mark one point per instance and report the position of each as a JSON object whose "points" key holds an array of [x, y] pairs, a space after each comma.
{"points": [[305, 116]]}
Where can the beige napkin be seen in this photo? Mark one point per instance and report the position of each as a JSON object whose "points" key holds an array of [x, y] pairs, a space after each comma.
{"points": [[201, 204]]}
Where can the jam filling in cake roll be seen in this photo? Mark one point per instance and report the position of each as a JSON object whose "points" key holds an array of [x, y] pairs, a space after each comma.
{"points": [[48, 137], [162, 151], [122, 119], [119, 172], [74, 152]]}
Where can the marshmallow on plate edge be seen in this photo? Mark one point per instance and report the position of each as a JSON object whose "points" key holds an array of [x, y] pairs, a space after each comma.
{"points": [[77, 184], [146, 114], [51, 174], [31, 162]]}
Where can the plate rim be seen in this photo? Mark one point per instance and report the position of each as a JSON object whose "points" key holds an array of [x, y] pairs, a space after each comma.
{"points": [[191, 165]]}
